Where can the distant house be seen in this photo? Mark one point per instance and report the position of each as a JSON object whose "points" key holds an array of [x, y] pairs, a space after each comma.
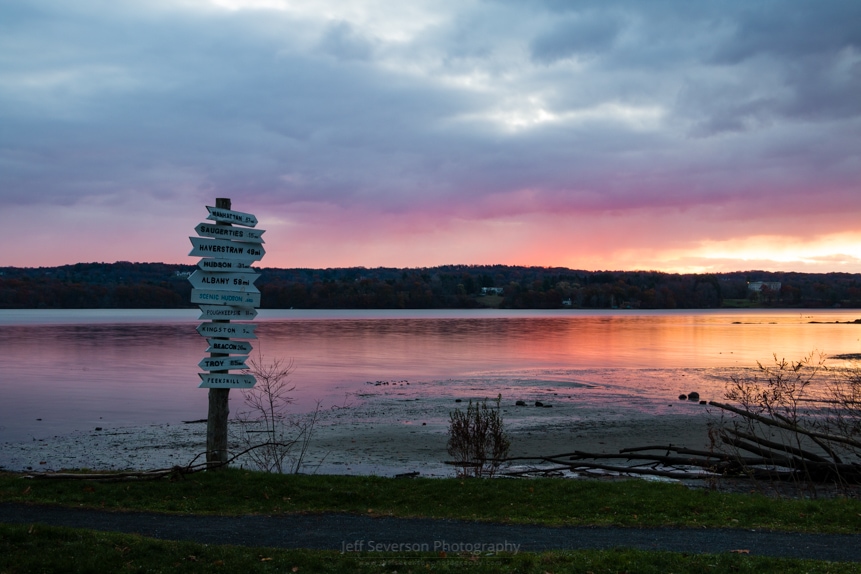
{"points": [[491, 290], [567, 302], [758, 285]]}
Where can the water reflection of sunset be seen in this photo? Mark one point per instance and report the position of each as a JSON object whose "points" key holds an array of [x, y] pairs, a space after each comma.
{"points": [[136, 370]]}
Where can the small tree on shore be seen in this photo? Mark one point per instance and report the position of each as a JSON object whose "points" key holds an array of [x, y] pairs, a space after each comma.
{"points": [[285, 437], [477, 440]]}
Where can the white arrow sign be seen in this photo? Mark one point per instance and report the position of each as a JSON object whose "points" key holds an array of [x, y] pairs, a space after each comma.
{"points": [[228, 330], [222, 363], [230, 216], [225, 265], [216, 381], [228, 232], [228, 347], [226, 249], [242, 282], [223, 312], [234, 298]]}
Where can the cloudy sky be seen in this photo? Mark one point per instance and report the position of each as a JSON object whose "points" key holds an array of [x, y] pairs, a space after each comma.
{"points": [[669, 134]]}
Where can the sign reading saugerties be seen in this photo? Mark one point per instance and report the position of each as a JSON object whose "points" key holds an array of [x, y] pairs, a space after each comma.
{"points": [[224, 288]]}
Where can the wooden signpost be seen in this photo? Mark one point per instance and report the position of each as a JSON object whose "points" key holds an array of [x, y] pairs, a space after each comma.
{"points": [[224, 289]]}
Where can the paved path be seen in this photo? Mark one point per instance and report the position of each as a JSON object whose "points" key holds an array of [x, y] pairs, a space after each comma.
{"points": [[337, 531]]}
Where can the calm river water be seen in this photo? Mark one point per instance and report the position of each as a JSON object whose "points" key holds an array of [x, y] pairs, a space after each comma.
{"points": [[69, 370]]}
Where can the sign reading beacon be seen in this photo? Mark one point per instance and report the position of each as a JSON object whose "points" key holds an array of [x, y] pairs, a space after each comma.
{"points": [[224, 288]]}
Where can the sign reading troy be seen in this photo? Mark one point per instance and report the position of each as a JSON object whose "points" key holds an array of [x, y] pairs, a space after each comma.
{"points": [[222, 363]]}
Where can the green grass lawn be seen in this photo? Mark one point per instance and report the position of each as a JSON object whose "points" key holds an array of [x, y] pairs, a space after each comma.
{"points": [[628, 503]]}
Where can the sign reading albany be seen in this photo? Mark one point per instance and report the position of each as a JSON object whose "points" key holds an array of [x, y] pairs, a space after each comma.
{"points": [[225, 281]]}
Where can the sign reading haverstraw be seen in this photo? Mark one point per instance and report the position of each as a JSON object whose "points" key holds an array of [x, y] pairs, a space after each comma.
{"points": [[226, 249]]}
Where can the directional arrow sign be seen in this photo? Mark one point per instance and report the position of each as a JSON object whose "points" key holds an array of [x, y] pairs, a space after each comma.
{"points": [[226, 249], [229, 232], [242, 282], [228, 347], [216, 381], [228, 330], [234, 298], [225, 265], [229, 216], [222, 363], [224, 312]]}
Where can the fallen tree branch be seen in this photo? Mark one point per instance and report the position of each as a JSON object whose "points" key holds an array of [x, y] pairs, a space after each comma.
{"points": [[174, 472]]}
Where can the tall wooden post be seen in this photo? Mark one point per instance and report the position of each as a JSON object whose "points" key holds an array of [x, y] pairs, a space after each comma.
{"points": [[219, 405]]}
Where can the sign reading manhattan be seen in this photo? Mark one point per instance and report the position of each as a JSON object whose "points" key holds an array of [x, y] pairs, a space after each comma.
{"points": [[230, 216]]}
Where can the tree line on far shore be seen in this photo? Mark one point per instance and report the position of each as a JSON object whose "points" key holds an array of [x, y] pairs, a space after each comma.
{"points": [[165, 286]]}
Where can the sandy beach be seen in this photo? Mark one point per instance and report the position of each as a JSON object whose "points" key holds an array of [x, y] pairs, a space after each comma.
{"points": [[390, 431]]}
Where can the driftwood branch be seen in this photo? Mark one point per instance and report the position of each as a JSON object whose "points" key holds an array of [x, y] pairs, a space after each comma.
{"points": [[177, 471]]}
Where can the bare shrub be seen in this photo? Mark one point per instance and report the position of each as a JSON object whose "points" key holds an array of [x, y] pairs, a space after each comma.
{"points": [[477, 440], [279, 439], [786, 423]]}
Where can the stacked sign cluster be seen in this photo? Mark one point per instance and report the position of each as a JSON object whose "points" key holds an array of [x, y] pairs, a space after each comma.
{"points": [[224, 288]]}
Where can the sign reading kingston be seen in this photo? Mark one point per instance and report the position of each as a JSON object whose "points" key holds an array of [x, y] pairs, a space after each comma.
{"points": [[222, 363], [228, 330], [228, 347], [224, 312], [226, 249], [228, 232], [230, 216], [219, 381]]}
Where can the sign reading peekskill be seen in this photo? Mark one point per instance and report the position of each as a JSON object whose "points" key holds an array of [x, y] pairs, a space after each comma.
{"points": [[224, 289]]}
